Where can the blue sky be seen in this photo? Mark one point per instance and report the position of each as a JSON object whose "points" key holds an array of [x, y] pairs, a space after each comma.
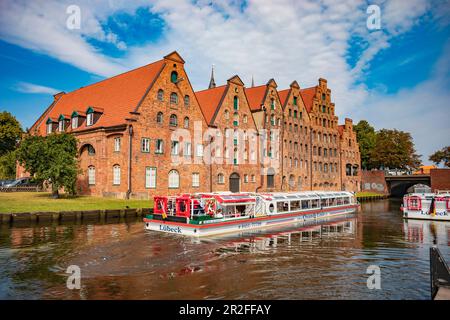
{"points": [[395, 77]]}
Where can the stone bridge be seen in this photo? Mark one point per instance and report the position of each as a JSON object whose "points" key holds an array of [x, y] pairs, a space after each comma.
{"points": [[397, 185]]}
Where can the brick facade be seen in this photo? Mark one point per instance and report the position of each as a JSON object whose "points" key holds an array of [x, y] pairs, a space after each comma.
{"points": [[152, 134], [350, 157], [440, 179]]}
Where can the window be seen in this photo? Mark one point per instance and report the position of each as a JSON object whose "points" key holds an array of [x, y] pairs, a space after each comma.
{"points": [[173, 121], [75, 122], [244, 118], [220, 178], [196, 179], [187, 101], [245, 178], [235, 156], [236, 103], [150, 177], [117, 144], [116, 175], [226, 114], [159, 117], [61, 125], [272, 104], [49, 127], [160, 95], [173, 98], [253, 178], [145, 145], [295, 101], [91, 175], [272, 120], [187, 149], [199, 150], [159, 146], [174, 77], [174, 148], [90, 119], [186, 122], [236, 119], [174, 179], [270, 181]]}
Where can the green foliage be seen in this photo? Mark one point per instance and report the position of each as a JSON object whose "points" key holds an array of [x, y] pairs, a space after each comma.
{"points": [[10, 132], [442, 155], [394, 149], [367, 137], [8, 166], [52, 158]]}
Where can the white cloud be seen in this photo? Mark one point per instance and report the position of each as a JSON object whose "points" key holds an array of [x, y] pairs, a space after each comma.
{"points": [[285, 39], [27, 87]]}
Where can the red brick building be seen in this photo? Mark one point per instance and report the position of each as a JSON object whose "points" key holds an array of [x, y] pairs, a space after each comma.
{"points": [[146, 132]]}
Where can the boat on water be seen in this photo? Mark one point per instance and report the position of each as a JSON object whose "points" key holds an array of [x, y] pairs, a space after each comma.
{"points": [[422, 203], [207, 214]]}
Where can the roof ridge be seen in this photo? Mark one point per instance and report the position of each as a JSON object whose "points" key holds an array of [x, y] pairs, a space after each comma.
{"points": [[207, 89], [113, 77]]}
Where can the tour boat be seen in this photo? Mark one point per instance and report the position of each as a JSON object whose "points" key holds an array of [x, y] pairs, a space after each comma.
{"points": [[424, 204], [206, 214]]}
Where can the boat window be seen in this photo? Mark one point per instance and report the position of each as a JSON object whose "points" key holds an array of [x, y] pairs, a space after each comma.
{"points": [[305, 204], [271, 207], [324, 203], [332, 202], [295, 205], [282, 206], [346, 200], [315, 203], [339, 201]]}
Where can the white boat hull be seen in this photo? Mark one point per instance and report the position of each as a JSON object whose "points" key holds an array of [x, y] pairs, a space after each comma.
{"points": [[442, 216], [244, 224]]}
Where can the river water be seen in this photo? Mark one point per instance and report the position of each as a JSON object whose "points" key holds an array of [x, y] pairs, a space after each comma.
{"points": [[326, 260]]}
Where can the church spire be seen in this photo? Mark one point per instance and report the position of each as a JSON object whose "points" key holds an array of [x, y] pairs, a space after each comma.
{"points": [[212, 83], [253, 82]]}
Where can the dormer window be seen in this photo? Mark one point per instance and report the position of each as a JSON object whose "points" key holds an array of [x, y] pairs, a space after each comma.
{"points": [[49, 126], [61, 124], [89, 117]]}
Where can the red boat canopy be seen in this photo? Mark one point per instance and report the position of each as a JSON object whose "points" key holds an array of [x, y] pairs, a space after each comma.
{"points": [[233, 198]]}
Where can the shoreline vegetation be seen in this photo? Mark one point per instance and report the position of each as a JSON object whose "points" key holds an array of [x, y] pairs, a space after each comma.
{"points": [[363, 195], [17, 202]]}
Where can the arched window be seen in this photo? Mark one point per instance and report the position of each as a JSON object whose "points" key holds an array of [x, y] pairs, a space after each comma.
{"points": [[226, 114], [160, 95], [236, 103], [174, 77], [236, 119], [245, 118], [291, 181], [173, 98], [173, 121], [174, 179], [272, 104], [272, 120], [187, 101], [186, 122], [91, 175], [116, 175], [220, 178], [159, 117]]}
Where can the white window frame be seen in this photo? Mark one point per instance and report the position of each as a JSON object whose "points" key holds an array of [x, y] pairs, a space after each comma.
{"points": [[159, 149], [117, 143], [91, 175], [90, 119], [196, 179], [61, 125], [187, 149], [174, 147], [75, 122], [150, 177], [174, 179], [199, 150], [49, 128], [116, 175], [145, 145]]}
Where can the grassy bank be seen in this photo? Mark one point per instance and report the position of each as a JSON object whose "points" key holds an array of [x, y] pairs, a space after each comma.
{"points": [[11, 202], [367, 195]]}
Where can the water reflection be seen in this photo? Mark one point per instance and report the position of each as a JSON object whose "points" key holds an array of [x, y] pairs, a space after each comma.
{"points": [[312, 261]]}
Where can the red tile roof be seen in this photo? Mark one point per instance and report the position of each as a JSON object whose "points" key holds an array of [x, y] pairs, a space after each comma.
{"points": [[283, 94], [209, 101], [255, 96], [308, 95], [115, 97]]}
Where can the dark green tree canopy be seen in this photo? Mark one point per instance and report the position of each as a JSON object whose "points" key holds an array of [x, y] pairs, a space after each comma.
{"points": [[442, 155], [10, 132], [367, 137], [52, 158]]}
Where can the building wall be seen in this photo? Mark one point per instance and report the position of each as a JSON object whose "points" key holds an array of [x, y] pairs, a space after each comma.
{"points": [[325, 141], [350, 158], [296, 153], [374, 181], [440, 179]]}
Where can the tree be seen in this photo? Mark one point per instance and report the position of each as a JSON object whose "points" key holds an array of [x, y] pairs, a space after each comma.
{"points": [[367, 137], [52, 158], [10, 132], [8, 165], [442, 155], [394, 149]]}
